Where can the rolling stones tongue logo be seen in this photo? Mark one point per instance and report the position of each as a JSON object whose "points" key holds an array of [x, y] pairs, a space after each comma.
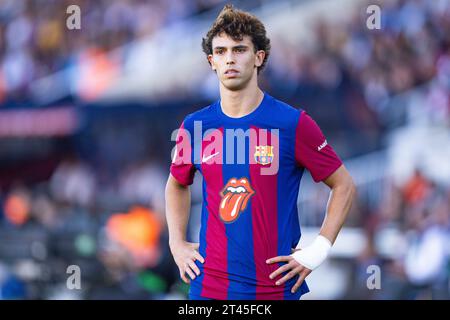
{"points": [[235, 196]]}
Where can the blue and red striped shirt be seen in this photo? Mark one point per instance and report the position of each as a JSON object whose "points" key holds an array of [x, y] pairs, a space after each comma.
{"points": [[251, 168]]}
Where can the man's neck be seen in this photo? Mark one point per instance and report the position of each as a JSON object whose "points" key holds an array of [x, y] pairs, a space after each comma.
{"points": [[237, 104]]}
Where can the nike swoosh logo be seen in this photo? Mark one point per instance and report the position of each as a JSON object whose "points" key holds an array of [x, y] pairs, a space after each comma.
{"points": [[204, 159]]}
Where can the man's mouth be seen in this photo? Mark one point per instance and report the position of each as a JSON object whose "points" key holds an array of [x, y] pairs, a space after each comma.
{"points": [[231, 72], [235, 197]]}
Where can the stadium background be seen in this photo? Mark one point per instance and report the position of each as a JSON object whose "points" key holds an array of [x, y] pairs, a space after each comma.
{"points": [[86, 118]]}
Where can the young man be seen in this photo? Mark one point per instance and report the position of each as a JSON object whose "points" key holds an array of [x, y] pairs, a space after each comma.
{"points": [[251, 150]]}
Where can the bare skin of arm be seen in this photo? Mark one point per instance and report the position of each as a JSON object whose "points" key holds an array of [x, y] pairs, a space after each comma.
{"points": [[178, 203], [341, 197]]}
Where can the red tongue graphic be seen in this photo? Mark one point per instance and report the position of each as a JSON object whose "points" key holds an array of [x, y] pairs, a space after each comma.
{"points": [[235, 196], [231, 206]]}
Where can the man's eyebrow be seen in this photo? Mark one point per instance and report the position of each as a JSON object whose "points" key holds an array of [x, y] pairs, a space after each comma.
{"points": [[240, 46]]}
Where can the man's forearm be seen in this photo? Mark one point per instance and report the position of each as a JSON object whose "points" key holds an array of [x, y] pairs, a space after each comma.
{"points": [[178, 203], [338, 206]]}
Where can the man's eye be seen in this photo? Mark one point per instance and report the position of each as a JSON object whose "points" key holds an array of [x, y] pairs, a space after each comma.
{"points": [[240, 50], [219, 51]]}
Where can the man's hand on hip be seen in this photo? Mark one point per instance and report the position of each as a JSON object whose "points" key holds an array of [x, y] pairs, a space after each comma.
{"points": [[302, 262], [185, 254], [292, 267]]}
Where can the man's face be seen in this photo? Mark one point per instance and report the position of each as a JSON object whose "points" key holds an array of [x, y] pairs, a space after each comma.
{"points": [[235, 62]]}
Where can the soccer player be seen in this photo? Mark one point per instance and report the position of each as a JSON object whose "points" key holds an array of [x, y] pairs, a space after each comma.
{"points": [[250, 229]]}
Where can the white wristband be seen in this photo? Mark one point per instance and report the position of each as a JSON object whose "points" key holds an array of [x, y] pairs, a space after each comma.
{"points": [[313, 255]]}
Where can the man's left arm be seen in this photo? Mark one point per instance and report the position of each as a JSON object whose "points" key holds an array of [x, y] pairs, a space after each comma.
{"points": [[313, 152], [303, 261], [342, 193]]}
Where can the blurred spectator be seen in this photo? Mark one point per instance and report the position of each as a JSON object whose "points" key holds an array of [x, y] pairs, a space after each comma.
{"points": [[143, 183], [73, 182], [138, 231], [427, 256], [17, 206]]}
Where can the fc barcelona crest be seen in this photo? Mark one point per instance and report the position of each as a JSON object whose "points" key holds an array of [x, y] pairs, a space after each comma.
{"points": [[264, 154]]}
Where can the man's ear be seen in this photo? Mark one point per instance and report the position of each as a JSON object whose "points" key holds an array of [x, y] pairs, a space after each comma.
{"points": [[259, 58], [210, 60]]}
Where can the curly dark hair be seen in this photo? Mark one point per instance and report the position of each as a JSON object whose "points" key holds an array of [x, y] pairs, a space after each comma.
{"points": [[237, 24]]}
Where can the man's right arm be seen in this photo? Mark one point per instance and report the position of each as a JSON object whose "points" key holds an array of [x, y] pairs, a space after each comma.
{"points": [[178, 202]]}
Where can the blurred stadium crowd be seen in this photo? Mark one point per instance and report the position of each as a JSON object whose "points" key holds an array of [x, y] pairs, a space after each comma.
{"points": [[92, 194], [35, 43]]}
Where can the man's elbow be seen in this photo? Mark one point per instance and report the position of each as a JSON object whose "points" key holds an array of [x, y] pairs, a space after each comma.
{"points": [[350, 188], [345, 185]]}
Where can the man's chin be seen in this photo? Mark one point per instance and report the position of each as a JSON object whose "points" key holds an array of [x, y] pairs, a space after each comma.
{"points": [[234, 84]]}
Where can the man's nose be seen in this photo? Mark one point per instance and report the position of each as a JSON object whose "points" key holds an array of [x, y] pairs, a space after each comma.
{"points": [[230, 58]]}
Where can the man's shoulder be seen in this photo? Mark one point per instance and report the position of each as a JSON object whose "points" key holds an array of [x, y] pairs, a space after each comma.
{"points": [[286, 108], [284, 112], [203, 114]]}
